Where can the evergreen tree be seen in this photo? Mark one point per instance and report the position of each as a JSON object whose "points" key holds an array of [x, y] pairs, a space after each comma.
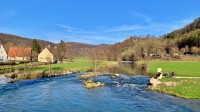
{"points": [[36, 49]]}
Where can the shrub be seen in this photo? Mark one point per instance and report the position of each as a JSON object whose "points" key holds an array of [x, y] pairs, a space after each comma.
{"points": [[8, 63]]}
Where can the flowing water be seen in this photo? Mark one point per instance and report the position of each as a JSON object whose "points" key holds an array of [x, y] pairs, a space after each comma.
{"points": [[128, 69], [68, 94]]}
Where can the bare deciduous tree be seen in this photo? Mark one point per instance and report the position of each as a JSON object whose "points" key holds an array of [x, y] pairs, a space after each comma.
{"points": [[8, 45], [183, 51], [70, 54], [97, 57], [194, 50], [174, 51], [186, 49], [61, 51]]}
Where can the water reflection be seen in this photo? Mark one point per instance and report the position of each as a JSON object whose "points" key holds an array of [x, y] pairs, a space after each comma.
{"points": [[130, 69]]}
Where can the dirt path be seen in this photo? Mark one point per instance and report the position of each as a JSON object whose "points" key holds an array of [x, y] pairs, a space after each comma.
{"points": [[178, 77]]}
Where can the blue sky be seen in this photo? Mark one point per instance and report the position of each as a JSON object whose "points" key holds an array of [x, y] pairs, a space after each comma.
{"points": [[94, 21]]}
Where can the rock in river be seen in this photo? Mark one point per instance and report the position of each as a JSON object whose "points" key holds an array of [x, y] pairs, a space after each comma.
{"points": [[91, 84], [114, 76]]}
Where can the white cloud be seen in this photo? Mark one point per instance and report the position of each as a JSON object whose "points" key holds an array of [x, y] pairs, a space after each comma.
{"points": [[74, 30], [85, 32], [83, 38], [141, 16], [66, 27], [124, 28]]}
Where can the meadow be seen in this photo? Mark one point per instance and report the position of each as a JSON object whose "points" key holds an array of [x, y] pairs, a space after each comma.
{"points": [[186, 86], [78, 64], [187, 69]]}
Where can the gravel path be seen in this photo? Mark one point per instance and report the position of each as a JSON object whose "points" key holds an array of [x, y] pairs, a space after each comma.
{"points": [[184, 77]]}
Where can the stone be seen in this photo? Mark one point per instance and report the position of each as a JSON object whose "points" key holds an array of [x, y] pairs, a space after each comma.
{"points": [[85, 76], [114, 75], [91, 84], [117, 75], [154, 82]]}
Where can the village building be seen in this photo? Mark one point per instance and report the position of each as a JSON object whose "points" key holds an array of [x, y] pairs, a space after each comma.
{"points": [[46, 56], [19, 54], [3, 54]]}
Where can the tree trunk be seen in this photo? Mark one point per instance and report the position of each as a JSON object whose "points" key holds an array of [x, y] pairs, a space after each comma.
{"points": [[49, 68]]}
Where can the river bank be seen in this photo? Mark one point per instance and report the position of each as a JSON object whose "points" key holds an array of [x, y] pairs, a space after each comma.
{"points": [[185, 87], [65, 68]]}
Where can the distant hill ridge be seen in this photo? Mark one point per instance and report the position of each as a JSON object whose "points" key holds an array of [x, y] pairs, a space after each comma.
{"points": [[194, 26], [80, 48], [187, 36], [18, 40]]}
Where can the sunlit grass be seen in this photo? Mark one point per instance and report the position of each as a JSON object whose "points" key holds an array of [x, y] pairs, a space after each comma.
{"points": [[186, 87], [79, 64], [190, 69]]}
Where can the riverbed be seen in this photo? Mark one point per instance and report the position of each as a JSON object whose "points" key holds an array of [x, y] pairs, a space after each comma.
{"points": [[68, 94]]}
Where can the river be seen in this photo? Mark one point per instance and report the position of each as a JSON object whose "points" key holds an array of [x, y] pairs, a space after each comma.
{"points": [[129, 93]]}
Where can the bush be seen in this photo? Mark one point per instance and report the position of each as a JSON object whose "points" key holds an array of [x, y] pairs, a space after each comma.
{"points": [[8, 63], [22, 62]]}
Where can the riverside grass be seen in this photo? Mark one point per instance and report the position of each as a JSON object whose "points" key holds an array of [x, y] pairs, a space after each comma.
{"points": [[58, 69], [187, 69], [186, 87], [78, 64]]}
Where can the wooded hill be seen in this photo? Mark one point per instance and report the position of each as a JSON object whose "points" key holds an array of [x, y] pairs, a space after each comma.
{"points": [[189, 35], [12, 40], [81, 49], [182, 41]]}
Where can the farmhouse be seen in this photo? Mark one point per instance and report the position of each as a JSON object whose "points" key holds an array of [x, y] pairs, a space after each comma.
{"points": [[3, 54], [46, 56], [19, 54]]}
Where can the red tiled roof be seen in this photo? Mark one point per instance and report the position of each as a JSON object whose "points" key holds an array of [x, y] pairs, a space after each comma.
{"points": [[19, 52]]}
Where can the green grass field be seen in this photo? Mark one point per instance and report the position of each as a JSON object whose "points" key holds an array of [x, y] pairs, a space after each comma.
{"points": [[80, 64], [6, 68], [186, 87], [190, 69]]}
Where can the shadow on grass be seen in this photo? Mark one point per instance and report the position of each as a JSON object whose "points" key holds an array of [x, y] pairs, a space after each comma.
{"points": [[38, 69], [57, 68]]}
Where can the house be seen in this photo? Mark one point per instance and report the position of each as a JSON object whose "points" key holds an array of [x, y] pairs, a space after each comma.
{"points": [[3, 54], [19, 54], [46, 56]]}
